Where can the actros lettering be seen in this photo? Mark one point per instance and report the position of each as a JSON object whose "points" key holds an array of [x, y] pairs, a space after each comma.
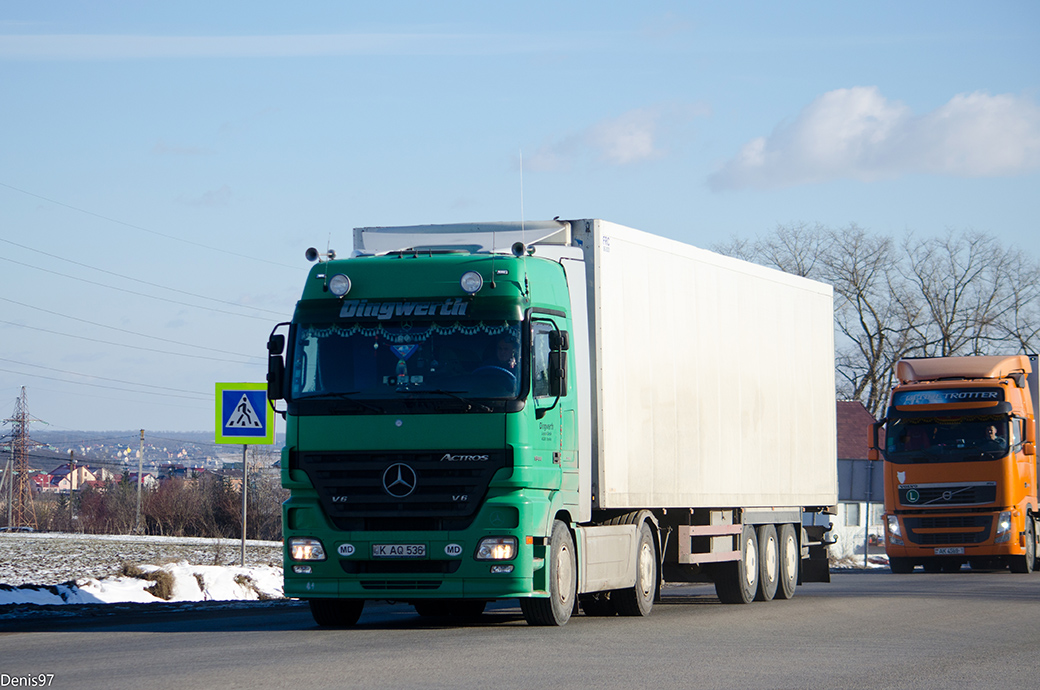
{"points": [[448, 457], [363, 309]]}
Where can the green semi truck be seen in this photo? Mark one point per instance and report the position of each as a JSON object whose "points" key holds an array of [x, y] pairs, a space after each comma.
{"points": [[567, 413]]}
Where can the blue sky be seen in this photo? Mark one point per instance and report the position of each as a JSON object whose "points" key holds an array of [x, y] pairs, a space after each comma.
{"points": [[163, 166]]}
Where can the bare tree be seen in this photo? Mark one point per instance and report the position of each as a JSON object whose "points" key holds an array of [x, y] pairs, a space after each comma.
{"points": [[960, 294]]}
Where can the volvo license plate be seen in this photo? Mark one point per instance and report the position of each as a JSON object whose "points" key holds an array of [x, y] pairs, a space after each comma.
{"points": [[398, 550], [949, 550]]}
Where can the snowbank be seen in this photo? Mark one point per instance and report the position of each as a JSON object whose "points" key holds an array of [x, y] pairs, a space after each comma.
{"points": [[176, 582]]}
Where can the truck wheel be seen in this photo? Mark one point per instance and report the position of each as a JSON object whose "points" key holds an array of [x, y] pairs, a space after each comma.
{"points": [[336, 613], [900, 565], [790, 559], [768, 563], [640, 599], [556, 609], [736, 582], [1025, 562]]}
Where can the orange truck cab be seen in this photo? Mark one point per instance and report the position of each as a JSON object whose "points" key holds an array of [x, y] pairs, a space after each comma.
{"points": [[960, 464]]}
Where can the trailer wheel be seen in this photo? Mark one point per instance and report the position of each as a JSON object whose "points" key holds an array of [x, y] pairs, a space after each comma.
{"points": [[556, 609], [790, 560], [1025, 562], [336, 613], [768, 563], [640, 599], [736, 582]]}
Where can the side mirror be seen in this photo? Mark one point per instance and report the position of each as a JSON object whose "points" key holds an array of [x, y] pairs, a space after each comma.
{"points": [[275, 367], [1028, 448], [1030, 432], [558, 374], [559, 340], [873, 455], [872, 440]]}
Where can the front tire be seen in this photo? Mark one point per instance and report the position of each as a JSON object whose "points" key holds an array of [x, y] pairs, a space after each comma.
{"points": [[640, 599], [1025, 562], [556, 609], [336, 613], [900, 565]]}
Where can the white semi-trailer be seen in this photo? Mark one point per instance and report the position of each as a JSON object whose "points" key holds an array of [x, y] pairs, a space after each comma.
{"points": [[666, 414]]}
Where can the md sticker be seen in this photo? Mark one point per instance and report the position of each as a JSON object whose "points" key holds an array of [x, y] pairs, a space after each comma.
{"points": [[345, 550], [453, 549]]}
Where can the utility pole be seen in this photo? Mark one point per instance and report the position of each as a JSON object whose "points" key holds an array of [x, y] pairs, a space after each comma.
{"points": [[72, 482], [20, 507], [245, 483], [140, 469]]}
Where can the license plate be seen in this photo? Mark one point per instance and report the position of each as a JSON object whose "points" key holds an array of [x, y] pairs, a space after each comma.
{"points": [[949, 550], [398, 550]]}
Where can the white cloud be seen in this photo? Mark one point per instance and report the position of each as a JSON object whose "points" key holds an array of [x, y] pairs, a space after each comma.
{"points": [[857, 133], [630, 138]]}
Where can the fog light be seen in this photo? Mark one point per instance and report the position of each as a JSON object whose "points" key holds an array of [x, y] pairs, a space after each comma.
{"points": [[1003, 528], [496, 549], [306, 549], [301, 569], [471, 281], [496, 569]]}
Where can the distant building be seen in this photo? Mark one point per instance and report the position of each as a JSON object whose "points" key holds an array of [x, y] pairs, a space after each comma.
{"points": [[64, 479]]}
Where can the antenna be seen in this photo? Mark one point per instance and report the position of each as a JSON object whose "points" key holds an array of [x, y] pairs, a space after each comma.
{"points": [[523, 229]]}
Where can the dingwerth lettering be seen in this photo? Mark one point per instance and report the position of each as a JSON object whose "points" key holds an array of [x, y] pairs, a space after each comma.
{"points": [[363, 309]]}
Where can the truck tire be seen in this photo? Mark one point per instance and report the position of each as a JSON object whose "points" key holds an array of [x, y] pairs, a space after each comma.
{"points": [[556, 609], [336, 613], [790, 560], [640, 599], [768, 563], [900, 565], [1025, 562], [736, 582]]}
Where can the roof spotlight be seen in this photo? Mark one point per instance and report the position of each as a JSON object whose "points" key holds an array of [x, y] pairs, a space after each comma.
{"points": [[471, 281]]}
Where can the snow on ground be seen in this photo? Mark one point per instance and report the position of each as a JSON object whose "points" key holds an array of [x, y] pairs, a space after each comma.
{"points": [[53, 568]]}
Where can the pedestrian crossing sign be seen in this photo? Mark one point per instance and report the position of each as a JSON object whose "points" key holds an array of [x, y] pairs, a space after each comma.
{"points": [[243, 415]]}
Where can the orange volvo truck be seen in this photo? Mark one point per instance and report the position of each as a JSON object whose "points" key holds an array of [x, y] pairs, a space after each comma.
{"points": [[960, 464]]}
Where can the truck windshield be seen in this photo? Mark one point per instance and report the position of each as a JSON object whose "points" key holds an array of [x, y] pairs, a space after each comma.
{"points": [[946, 439], [397, 360]]}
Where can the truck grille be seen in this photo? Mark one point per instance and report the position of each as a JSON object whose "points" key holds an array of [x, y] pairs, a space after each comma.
{"points": [[978, 524], [948, 494], [402, 490]]}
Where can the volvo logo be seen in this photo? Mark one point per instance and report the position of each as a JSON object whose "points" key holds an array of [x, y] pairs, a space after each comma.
{"points": [[399, 480]]}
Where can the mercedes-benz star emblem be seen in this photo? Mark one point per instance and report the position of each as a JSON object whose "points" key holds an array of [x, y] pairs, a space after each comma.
{"points": [[399, 480]]}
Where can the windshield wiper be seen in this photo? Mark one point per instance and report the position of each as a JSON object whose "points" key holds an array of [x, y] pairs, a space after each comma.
{"points": [[454, 394]]}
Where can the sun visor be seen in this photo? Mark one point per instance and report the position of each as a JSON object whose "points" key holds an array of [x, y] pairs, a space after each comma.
{"points": [[472, 237]]}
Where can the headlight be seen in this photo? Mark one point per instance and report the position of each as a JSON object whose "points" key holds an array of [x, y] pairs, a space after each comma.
{"points": [[894, 536], [893, 525], [339, 285], [306, 549], [496, 549], [1003, 527], [471, 281]]}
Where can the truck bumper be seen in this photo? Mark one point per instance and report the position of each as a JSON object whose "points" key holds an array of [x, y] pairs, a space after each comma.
{"points": [[965, 535], [413, 565]]}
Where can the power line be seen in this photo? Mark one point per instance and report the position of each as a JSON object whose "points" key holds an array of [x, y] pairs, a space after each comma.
{"points": [[123, 330], [132, 347], [142, 229], [194, 395], [140, 294]]}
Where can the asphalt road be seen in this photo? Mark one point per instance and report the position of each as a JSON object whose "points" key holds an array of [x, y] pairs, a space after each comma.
{"points": [[863, 630]]}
